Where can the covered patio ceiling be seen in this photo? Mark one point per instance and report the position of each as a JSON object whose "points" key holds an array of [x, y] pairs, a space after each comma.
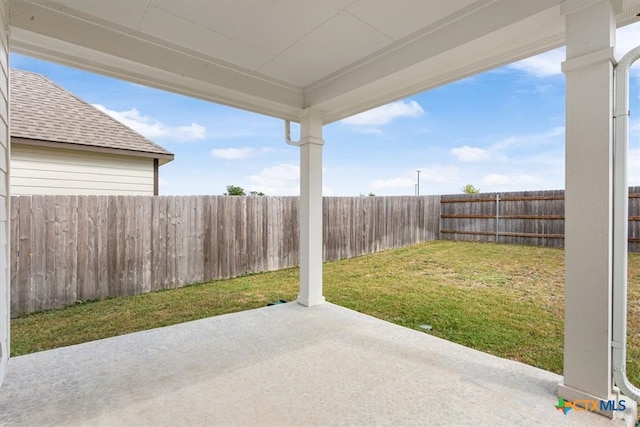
{"points": [[279, 57]]}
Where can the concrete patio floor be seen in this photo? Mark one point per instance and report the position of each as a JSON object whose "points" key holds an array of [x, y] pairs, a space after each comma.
{"points": [[280, 365]]}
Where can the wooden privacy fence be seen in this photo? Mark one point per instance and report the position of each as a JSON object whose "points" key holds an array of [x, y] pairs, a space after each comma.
{"points": [[528, 217], [356, 226], [69, 248]]}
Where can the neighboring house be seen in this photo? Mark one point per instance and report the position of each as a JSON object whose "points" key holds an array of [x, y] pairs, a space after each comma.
{"points": [[62, 145]]}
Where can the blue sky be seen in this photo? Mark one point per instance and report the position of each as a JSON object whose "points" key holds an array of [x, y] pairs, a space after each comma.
{"points": [[502, 130]]}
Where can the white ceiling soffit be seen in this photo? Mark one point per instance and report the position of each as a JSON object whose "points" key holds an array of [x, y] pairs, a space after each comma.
{"points": [[280, 56]]}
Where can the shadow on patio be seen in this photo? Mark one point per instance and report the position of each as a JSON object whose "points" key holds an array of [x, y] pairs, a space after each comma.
{"points": [[280, 365]]}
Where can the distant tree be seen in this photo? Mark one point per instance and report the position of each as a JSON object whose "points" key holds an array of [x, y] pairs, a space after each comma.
{"points": [[372, 195], [470, 189], [256, 193], [234, 190]]}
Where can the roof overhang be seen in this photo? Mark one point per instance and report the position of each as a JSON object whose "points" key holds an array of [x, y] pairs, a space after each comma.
{"points": [[334, 64], [162, 158]]}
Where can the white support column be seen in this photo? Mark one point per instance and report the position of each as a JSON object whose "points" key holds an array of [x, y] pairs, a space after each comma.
{"points": [[588, 202], [4, 189], [310, 208]]}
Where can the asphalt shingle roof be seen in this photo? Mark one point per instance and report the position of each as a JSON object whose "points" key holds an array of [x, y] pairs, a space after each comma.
{"points": [[42, 110]]}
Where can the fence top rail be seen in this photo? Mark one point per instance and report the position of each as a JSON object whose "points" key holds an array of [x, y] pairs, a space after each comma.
{"points": [[493, 216], [502, 199], [507, 198]]}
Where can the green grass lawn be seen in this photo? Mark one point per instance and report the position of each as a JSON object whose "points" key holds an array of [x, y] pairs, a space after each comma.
{"points": [[503, 299]]}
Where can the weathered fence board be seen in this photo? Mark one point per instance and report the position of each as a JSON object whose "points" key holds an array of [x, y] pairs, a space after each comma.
{"points": [[67, 248], [530, 217]]}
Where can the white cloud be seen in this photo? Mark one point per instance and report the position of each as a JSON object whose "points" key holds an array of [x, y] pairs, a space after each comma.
{"points": [[470, 154], [536, 140], [633, 172], [233, 153], [152, 128], [439, 174], [502, 150], [553, 133], [281, 180], [386, 113], [544, 65], [504, 143], [626, 39]]}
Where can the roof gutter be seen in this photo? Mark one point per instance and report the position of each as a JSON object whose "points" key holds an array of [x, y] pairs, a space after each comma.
{"points": [[621, 225]]}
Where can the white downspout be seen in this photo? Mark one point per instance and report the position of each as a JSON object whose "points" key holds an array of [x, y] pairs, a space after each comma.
{"points": [[287, 134], [620, 225]]}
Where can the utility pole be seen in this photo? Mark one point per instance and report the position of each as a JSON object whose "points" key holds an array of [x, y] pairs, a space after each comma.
{"points": [[418, 184]]}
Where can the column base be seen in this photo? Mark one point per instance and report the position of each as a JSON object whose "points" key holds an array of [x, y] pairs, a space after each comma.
{"points": [[309, 302], [617, 407]]}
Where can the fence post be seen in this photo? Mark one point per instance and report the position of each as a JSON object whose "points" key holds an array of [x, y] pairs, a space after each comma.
{"points": [[497, 217]]}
